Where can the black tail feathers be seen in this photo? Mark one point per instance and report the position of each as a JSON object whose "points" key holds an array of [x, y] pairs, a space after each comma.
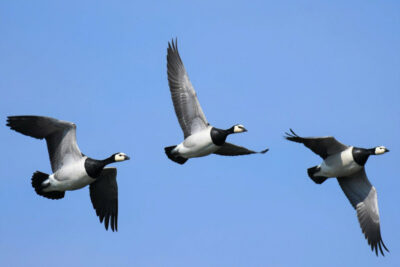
{"points": [[37, 180], [317, 179], [172, 157]]}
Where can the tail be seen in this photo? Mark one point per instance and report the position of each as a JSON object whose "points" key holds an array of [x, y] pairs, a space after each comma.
{"points": [[37, 183], [177, 159], [317, 179]]}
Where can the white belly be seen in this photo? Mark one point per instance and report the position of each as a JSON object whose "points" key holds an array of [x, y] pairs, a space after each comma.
{"points": [[197, 145], [339, 165], [70, 177]]}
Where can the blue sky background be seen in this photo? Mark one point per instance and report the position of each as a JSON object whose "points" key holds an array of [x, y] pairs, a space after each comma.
{"points": [[319, 67]]}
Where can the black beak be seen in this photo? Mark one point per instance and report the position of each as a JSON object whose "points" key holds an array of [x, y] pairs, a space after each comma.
{"points": [[244, 129], [387, 150], [127, 157]]}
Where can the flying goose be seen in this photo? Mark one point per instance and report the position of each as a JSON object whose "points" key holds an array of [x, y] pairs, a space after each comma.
{"points": [[200, 138], [72, 170], [347, 164]]}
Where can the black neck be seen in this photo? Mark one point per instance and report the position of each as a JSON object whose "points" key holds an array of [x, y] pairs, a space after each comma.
{"points": [[218, 136], [361, 155], [94, 167], [108, 160]]}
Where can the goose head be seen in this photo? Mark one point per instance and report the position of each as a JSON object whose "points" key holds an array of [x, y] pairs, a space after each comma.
{"points": [[379, 150], [238, 128], [117, 157]]}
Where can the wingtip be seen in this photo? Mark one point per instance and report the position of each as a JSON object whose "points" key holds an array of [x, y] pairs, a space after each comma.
{"points": [[264, 151], [8, 124], [380, 247], [288, 136], [383, 244], [291, 130], [377, 247], [292, 136], [8, 121], [173, 44]]}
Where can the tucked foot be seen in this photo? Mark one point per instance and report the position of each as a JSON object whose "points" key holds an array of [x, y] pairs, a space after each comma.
{"points": [[317, 179], [175, 158], [38, 184]]}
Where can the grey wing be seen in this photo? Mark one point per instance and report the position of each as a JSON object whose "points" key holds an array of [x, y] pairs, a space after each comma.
{"points": [[104, 197], [323, 146], [362, 195], [187, 106], [60, 137], [229, 149]]}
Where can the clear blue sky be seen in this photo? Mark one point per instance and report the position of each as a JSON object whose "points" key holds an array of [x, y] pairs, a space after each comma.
{"points": [[320, 68]]}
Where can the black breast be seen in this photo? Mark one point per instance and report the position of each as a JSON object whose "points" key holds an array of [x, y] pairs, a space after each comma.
{"points": [[360, 155], [93, 167], [218, 136]]}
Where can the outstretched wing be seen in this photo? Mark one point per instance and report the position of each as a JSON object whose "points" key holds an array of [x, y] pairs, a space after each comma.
{"points": [[187, 106], [362, 195], [229, 149], [323, 146], [60, 137], [104, 197]]}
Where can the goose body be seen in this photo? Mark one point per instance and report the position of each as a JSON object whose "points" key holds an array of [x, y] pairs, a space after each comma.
{"points": [[197, 145], [71, 177], [200, 138], [71, 169], [347, 164], [339, 164]]}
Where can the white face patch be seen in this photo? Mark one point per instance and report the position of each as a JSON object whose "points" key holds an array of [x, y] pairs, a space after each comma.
{"points": [[380, 150], [120, 157], [239, 128]]}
